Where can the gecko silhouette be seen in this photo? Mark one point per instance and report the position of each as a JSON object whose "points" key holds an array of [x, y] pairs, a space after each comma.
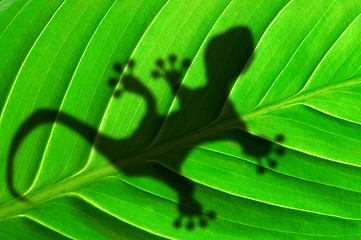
{"points": [[226, 56]]}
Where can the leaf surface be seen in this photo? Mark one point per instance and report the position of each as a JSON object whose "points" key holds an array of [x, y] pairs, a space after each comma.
{"points": [[185, 146]]}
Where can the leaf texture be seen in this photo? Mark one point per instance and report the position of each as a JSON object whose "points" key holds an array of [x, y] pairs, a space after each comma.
{"points": [[166, 156]]}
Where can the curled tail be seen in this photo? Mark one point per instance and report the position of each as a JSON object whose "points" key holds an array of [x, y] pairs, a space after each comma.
{"points": [[42, 117], [37, 119]]}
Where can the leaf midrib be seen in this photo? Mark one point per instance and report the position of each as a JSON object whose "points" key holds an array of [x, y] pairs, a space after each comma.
{"points": [[299, 97], [65, 186]]}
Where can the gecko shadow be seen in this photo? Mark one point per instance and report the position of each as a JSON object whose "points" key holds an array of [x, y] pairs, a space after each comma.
{"points": [[226, 56]]}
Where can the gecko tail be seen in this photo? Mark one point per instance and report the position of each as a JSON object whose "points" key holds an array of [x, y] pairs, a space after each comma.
{"points": [[37, 119]]}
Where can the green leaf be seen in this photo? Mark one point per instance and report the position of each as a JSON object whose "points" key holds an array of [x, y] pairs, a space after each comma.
{"points": [[138, 119]]}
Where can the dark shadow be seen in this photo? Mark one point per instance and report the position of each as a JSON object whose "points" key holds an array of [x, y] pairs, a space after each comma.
{"points": [[226, 57]]}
